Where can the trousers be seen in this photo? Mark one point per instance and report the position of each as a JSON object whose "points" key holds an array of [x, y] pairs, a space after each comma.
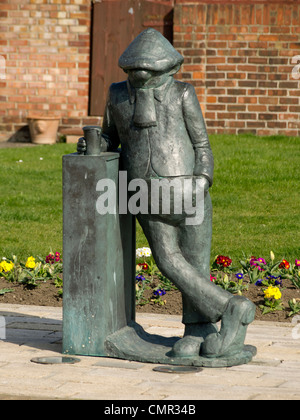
{"points": [[182, 254]]}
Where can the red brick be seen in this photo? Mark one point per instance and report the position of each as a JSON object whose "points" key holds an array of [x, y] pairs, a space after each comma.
{"points": [[215, 107], [226, 83], [238, 124], [267, 100], [236, 108], [256, 92], [227, 99], [276, 124], [215, 123], [236, 75], [277, 92], [294, 108], [236, 91], [268, 116], [247, 116], [211, 99], [294, 92], [257, 76], [257, 108], [226, 115], [255, 124]]}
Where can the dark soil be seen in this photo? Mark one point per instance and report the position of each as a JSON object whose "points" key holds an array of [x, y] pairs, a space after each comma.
{"points": [[46, 294], [173, 303]]}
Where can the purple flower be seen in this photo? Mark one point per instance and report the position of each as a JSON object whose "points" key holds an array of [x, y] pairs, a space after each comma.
{"points": [[254, 261], [140, 277], [239, 276], [278, 280], [159, 292], [259, 282]]}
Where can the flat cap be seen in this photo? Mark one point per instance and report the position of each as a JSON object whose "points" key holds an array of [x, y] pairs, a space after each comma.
{"points": [[150, 50]]}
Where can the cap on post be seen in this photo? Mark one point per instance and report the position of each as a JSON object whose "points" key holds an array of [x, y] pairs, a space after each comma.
{"points": [[150, 50]]}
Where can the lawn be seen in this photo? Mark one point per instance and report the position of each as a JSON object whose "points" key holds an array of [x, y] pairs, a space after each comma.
{"points": [[31, 200], [255, 198]]}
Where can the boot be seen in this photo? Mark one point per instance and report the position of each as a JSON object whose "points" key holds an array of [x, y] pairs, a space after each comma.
{"points": [[194, 336], [240, 312]]}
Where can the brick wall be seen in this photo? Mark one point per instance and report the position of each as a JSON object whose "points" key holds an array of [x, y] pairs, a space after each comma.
{"points": [[239, 58], [237, 54], [46, 46]]}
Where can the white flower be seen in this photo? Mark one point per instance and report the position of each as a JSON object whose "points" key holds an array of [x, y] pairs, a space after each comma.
{"points": [[41, 158], [19, 161], [139, 253], [147, 252], [143, 252]]}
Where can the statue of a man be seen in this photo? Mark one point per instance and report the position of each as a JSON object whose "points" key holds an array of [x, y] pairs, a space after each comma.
{"points": [[159, 124]]}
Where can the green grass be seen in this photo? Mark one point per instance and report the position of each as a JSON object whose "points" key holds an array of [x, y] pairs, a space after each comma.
{"points": [[31, 200], [255, 196]]}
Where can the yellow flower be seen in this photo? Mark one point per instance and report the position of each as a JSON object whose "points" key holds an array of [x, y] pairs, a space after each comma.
{"points": [[272, 292], [30, 263], [268, 292], [6, 266], [277, 294]]}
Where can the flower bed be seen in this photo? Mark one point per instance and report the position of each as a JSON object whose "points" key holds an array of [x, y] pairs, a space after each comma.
{"points": [[274, 286], [37, 281]]}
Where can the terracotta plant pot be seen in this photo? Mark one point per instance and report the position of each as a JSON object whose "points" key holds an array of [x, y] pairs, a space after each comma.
{"points": [[43, 129]]}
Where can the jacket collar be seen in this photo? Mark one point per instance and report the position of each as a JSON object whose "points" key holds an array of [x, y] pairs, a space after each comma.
{"points": [[160, 93]]}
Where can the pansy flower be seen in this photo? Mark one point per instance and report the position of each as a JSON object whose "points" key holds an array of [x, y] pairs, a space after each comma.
{"points": [[6, 266], [159, 292], [140, 277], [30, 263]]}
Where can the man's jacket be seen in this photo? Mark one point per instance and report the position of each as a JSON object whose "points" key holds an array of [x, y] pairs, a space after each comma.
{"points": [[177, 145]]}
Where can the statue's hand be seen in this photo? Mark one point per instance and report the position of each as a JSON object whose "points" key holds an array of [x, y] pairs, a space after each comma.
{"points": [[81, 146], [202, 182]]}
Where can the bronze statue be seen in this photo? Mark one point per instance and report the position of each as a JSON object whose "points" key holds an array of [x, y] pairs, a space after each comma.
{"points": [[159, 124]]}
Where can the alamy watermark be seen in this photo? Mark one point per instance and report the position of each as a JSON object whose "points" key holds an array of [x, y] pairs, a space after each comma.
{"points": [[296, 69], [2, 328], [296, 329], [158, 196]]}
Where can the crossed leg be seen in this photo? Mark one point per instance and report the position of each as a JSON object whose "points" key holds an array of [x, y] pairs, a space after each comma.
{"points": [[182, 254]]}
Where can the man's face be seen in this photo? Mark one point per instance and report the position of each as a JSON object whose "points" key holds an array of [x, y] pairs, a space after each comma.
{"points": [[146, 79]]}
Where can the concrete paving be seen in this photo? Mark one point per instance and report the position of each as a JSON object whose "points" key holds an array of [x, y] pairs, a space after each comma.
{"points": [[34, 331]]}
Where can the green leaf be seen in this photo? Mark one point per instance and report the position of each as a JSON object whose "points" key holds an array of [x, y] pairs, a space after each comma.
{"points": [[3, 291]]}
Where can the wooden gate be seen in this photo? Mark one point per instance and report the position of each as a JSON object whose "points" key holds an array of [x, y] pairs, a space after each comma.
{"points": [[115, 24]]}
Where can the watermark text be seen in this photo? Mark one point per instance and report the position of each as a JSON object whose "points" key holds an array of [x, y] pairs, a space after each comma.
{"points": [[159, 196], [2, 328]]}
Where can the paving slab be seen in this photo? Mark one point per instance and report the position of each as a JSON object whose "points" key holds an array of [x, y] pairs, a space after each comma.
{"points": [[35, 331]]}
